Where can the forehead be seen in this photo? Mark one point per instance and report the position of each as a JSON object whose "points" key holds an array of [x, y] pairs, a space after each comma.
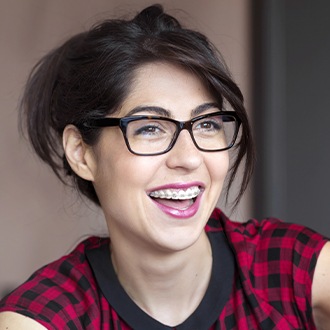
{"points": [[167, 86]]}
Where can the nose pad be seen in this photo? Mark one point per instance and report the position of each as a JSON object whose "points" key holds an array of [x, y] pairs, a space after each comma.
{"points": [[184, 153]]}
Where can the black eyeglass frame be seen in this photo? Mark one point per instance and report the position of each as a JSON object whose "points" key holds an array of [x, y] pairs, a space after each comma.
{"points": [[123, 122]]}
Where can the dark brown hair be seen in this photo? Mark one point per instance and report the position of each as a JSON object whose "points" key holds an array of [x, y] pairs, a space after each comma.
{"points": [[90, 74]]}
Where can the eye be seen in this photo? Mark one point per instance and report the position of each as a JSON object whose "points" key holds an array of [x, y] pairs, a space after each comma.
{"points": [[209, 125], [150, 129]]}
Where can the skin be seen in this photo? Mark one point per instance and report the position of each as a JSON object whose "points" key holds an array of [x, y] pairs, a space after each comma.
{"points": [[321, 290], [15, 321], [176, 252]]}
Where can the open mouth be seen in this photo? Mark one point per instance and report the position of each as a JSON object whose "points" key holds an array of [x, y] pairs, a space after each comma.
{"points": [[180, 199]]}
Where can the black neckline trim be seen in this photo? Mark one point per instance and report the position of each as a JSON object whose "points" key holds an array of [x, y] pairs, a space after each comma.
{"points": [[202, 318]]}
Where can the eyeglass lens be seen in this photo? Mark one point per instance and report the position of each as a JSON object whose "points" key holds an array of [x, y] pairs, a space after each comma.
{"points": [[148, 136]]}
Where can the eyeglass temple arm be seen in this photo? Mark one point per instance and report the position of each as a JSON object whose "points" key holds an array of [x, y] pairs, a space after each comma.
{"points": [[102, 122]]}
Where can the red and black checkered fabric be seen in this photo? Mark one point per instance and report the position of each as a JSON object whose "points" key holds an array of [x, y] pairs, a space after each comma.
{"points": [[275, 263]]}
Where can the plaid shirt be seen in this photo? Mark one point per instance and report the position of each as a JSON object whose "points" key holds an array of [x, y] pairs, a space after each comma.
{"points": [[274, 266]]}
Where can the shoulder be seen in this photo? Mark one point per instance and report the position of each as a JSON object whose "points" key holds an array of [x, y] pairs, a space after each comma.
{"points": [[321, 289], [279, 262], [10, 320], [270, 232], [272, 244], [59, 290]]}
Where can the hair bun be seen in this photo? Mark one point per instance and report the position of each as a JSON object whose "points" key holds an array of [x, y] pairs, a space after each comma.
{"points": [[154, 19]]}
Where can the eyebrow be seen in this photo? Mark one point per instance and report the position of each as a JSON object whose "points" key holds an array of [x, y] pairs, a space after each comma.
{"points": [[166, 113], [203, 107], [156, 110]]}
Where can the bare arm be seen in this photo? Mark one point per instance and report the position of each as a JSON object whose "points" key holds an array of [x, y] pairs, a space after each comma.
{"points": [[321, 290], [15, 321]]}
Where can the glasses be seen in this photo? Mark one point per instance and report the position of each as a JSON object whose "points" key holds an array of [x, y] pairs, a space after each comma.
{"points": [[155, 135]]}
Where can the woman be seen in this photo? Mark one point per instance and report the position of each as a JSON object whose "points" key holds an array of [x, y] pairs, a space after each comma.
{"points": [[144, 117]]}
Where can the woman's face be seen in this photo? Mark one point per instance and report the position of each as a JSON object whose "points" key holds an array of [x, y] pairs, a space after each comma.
{"points": [[125, 182]]}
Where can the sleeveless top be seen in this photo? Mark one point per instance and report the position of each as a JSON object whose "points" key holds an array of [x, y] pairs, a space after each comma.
{"points": [[261, 279]]}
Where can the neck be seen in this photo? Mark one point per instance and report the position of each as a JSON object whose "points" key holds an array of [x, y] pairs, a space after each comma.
{"points": [[167, 286]]}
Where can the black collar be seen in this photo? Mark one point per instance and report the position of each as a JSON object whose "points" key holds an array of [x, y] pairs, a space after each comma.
{"points": [[202, 318]]}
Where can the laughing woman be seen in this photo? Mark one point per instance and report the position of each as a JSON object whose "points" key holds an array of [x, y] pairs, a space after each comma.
{"points": [[142, 116]]}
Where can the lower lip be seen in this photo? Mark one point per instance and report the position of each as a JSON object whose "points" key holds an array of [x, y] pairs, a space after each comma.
{"points": [[180, 214]]}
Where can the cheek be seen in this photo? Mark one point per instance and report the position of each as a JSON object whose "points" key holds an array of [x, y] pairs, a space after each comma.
{"points": [[218, 167], [121, 174]]}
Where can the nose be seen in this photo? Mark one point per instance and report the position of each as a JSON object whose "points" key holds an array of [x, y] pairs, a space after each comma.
{"points": [[184, 153]]}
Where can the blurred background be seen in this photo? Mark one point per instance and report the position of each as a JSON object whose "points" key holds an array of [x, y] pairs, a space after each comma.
{"points": [[291, 110], [278, 52]]}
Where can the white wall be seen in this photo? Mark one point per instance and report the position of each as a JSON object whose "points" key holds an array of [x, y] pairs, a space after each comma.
{"points": [[39, 219]]}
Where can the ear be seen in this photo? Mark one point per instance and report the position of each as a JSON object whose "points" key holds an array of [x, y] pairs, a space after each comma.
{"points": [[79, 155]]}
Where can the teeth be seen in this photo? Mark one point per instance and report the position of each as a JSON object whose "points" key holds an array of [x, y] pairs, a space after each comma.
{"points": [[176, 193]]}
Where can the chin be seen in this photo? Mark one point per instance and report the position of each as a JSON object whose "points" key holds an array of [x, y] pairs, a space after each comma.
{"points": [[180, 239]]}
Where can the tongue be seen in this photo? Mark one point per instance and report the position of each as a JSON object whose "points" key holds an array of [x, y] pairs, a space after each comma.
{"points": [[176, 204]]}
